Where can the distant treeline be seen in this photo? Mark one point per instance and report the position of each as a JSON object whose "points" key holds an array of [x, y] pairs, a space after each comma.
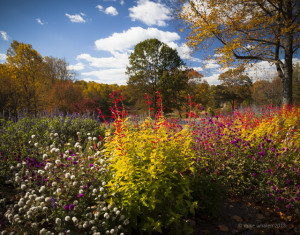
{"points": [[34, 83]]}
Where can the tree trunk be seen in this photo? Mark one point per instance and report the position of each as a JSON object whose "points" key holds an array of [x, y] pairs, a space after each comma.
{"points": [[287, 78]]}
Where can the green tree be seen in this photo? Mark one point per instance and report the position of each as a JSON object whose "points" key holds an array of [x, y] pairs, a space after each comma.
{"points": [[151, 66], [247, 30], [236, 86]]}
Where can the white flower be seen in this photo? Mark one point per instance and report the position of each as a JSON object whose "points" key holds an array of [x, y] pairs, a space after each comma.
{"points": [[33, 225], [112, 231], [58, 190], [43, 231], [106, 215], [67, 175], [67, 218], [58, 221], [42, 189], [23, 186], [36, 144], [33, 136], [54, 184], [55, 134], [78, 133], [74, 219], [94, 138], [45, 156], [88, 133], [72, 177], [57, 162], [45, 208], [89, 138], [85, 225], [101, 189]]}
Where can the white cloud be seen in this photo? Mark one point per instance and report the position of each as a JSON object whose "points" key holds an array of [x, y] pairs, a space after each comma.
{"points": [[108, 76], [4, 35], [77, 18], [111, 11], [40, 21], [122, 2], [261, 70], [100, 8], [186, 53], [118, 60], [212, 79], [211, 64], [3, 56], [76, 67], [199, 69], [127, 39], [150, 13]]}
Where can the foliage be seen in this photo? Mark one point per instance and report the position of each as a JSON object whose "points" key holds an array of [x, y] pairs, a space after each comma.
{"points": [[150, 167], [155, 66], [248, 31], [235, 86]]}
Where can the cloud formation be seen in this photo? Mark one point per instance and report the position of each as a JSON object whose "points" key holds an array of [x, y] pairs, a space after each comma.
{"points": [[4, 35], [127, 39], [77, 18], [150, 13], [111, 11], [76, 67], [39, 21], [2, 56]]}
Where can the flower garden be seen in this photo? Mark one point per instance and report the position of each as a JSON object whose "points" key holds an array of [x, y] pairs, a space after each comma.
{"points": [[73, 175]]}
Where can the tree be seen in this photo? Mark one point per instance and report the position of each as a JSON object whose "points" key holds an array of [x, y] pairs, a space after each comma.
{"points": [[236, 86], [25, 65], [247, 30], [296, 83], [266, 92], [151, 65]]}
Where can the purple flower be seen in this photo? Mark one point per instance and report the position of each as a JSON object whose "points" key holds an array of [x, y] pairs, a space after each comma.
{"points": [[91, 165], [80, 195], [71, 207], [288, 206], [253, 174], [270, 194], [288, 181], [66, 207]]}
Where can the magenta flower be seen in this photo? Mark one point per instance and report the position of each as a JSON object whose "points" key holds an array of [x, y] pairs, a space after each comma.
{"points": [[80, 195], [66, 207], [71, 207]]}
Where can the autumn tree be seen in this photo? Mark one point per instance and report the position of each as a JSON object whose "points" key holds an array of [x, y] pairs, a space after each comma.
{"points": [[266, 92], [235, 86], [248, 31], [24, 66], [150, 68]]}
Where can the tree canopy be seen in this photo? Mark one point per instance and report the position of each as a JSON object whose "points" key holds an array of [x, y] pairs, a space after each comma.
{"points": [[247, 30], [154, 66]]}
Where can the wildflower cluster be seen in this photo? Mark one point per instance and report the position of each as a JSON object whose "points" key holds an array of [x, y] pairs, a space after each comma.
{"points": [[61, 191]]}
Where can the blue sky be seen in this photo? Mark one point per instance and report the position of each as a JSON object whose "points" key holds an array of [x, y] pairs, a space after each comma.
{"points": [[96, 36]]}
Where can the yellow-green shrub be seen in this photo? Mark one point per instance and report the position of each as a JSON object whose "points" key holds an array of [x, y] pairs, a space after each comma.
{"points": [[150, 168]]}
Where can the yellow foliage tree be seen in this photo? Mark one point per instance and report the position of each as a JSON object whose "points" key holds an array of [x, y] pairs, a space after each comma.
{"points": [[246, 30], [24, 65]]}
